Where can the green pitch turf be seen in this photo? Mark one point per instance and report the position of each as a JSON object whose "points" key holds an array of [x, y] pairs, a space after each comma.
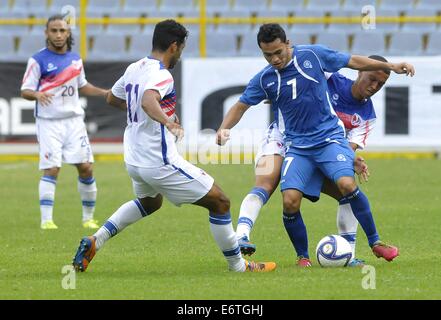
{"points": [[172, 255]]}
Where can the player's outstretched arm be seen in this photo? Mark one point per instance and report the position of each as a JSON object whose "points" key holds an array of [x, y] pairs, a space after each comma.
{"points": [[231, 119], [115, 101], [151, 106], [363, 63], [91, 90]]}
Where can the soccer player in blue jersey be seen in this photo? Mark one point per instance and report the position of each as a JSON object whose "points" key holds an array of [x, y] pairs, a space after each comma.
{"points": [[54, 78], [295, 84], [352, 103]]}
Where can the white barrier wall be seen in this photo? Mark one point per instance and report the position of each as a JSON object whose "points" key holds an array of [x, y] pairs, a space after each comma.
{"points": [[203, 77]]}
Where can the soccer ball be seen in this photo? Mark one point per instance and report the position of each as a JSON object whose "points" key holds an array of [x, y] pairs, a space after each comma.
{"points": [[333, 251]]}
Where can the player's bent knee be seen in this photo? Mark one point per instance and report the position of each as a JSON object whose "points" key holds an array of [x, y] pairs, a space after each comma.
{"points": [[291, 204], [52, 172], [346, 185], [85, 170], [224, 204], [221, 204], [151, 205]]}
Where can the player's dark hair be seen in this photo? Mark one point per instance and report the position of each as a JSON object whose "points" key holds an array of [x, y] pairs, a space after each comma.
{"points": [[166, 32], [379, 58], [70, 39], [269, 32]]}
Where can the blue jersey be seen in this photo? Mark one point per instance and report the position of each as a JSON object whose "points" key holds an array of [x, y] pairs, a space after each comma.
{"points": [[358, 116], [299, 95]]}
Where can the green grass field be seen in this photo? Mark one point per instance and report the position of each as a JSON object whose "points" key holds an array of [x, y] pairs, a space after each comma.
{"points": [[171, 254]]}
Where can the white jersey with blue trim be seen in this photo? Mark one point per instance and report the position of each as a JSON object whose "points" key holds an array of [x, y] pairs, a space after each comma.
{"points": [[59, 74], [358, 116], [299, 94], [147, 143]]}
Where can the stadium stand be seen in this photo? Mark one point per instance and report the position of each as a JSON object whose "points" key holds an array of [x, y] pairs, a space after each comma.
{"points": [[178, 7], [309, 27], [434, 5], [248, 46], [140, 7], [57, 5], [299, 37], [405, 44], [8, 48], [140, 46], [16, 30], [30, 6], [321, 5], [216, 6], [124, 29], [367, 43], [275, 14], [433, 43], [357, 4], [103, 7], [424, 27], [394, 4], [250, 6], [237, 29], [343, 27], [28, 45], [388, 26], [222, 45], [108, 47], [386, 38], [192, 46], [337, 41]]}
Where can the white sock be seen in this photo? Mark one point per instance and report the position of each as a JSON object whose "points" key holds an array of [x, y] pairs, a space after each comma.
{"points": [[87, 189], [347, 225], [223, 233], [127, 214], [46, 190], [249, 211]]}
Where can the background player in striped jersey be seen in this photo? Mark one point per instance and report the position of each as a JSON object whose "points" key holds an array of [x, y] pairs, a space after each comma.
{"points": [[295, 83], [352, 103], [152, 159], [54, 76]]}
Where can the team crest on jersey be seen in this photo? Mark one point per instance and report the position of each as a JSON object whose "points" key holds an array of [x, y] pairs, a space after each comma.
{"points": [[341, 157], [51, 67], [335, 96], [307, 64], [355, 120]]}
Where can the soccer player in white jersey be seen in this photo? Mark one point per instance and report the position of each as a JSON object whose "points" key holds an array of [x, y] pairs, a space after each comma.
{"points": [[54, 76], [352, 103], [151, 157]]}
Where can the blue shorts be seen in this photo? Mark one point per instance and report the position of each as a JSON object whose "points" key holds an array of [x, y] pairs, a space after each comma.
{"points": [[305, 169]]}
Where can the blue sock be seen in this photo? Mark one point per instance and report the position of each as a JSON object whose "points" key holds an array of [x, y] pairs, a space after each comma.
{"points": [[362, 211], [296, 230]]}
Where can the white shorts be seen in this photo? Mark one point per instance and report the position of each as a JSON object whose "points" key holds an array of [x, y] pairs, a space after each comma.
{"points": [[180, 183], [272, 143], [62, 140]]}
